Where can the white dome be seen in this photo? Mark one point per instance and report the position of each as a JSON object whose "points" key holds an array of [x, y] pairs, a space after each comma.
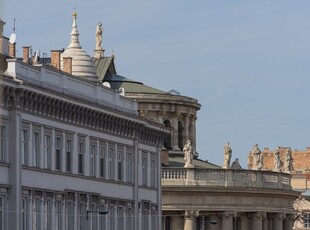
{"points": [[82, 63]]}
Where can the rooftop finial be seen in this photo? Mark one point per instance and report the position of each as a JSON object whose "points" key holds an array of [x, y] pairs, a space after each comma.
{"points": [[74, 42]]}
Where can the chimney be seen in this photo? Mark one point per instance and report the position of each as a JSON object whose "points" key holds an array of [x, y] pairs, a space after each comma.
{"points": [[12, 50], [26, 54], [55, 58], [67, 65]]}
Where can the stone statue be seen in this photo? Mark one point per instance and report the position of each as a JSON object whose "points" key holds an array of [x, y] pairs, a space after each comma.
{"points": [[227, 155], [288, 163], [257, 158], [277, 160], [99, 36], [236, 164], [188, 155]]}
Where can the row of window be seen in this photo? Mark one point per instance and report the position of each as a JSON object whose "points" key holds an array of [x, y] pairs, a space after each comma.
{"points": [[71, 211], [56, 150]]}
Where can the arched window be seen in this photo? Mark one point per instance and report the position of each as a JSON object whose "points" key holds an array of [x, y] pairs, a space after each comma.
{"points": [[167, 141], [180, 134]]}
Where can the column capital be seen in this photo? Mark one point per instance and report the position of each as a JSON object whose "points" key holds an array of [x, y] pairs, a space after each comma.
{"points": [[259, 215], [279, 216], [229, 214], [191, 213]]}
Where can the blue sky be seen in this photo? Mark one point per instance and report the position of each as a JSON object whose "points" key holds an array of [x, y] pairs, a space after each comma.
{"points": [[247, 62]]}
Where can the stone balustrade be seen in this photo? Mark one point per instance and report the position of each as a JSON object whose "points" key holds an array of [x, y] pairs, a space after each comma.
{"points": [[225, 177]]}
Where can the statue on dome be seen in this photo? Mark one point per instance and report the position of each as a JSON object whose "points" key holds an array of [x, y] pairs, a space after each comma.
{"points": [[188, 155], [99, 36], [227, 156], [277, 160], [288, 164], [257, 158]]}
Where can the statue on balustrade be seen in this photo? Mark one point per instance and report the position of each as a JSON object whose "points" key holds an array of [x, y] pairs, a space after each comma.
{"points": [[188, 155], [277, 160], [227, 155], [236, 164], [257, 158], [288, 164]]}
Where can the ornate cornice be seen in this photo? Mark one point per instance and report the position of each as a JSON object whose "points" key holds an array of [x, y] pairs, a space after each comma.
{"points": [[54, 108]]}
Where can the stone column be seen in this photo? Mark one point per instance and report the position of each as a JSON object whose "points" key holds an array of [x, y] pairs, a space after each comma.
{"points": [[244, 221], [227, 221], [258, 221], [278, 221], [190, 219], [177, 222], [288, 222]]}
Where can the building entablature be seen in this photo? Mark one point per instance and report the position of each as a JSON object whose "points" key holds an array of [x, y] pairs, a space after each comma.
{"points": [[166, 101], [42, 102]]}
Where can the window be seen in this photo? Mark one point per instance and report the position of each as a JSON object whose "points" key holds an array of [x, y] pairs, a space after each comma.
{"points": [[153, 172], [112, 216], [93, 217], [36, 149], [24, 147], [102, 218], [3, 143], [82, 217], [120, 218], [69, 215], [154, 218], [144, 170], [129, 218], [129, 167], [145, 216], [48, 214], [68, 155], [58, 153], [167, 141], [111, 163], [81, 157], [1, 213], [307, 220], [180, 134], [47, 152], [36, 214], [92, 155], [120, 165], [25, 212], [58, 215], [102, 162]]}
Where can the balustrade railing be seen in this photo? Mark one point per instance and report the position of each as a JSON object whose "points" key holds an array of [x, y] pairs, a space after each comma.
{"points": [[225, 177]]}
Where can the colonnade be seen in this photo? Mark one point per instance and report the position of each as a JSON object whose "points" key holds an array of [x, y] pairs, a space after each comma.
{"points": [[195, 220]]}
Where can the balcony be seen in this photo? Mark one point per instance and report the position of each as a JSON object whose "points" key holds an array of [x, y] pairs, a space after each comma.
{"points": [[225, 178]]}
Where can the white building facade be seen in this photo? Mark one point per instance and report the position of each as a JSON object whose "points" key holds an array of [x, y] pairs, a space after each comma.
{"points": [[74, 154]]}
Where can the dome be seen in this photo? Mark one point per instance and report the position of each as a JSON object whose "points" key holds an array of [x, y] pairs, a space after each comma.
{"points": [[82, 63]]}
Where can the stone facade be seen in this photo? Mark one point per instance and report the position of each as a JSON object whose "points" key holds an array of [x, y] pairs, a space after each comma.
{"points": [[74, 154], [221, 199]]}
